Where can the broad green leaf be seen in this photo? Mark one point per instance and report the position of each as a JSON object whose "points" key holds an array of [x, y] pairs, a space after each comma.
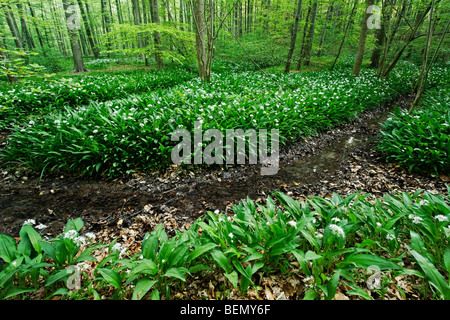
{"points": [[197, 252], [142, 287], [14, 291], [367, 260], [432, 275], [222, 260], [112, 277], [332, 285], [7, 248], [177, 273]]}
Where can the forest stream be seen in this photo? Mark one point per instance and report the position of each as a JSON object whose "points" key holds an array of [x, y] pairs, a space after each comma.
{"points": [[342, 160]]}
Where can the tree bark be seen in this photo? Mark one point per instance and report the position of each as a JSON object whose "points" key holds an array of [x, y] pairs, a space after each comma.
{"points": [[325, 27], [294, 32], [154, 13], [200, 39], [345, 34], [362, 41], [309, 42], [87, 27], [74, 40], [12, 26]]}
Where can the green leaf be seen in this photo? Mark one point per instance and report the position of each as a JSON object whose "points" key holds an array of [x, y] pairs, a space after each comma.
{"points": [[14, 291], [112, 277], [310, 295], [142, 287], [233, 278], [75, 224], [332, 285], [358, 291], [367, 260], [432, 275], [447, 258], [61, 274], [177, 273], [7, 248], [29, 239], [197, 252], [310, 255], [222, 260]]}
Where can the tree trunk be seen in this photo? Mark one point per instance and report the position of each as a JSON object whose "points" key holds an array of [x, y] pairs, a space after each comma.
{"points": [[200, 39], [345, 34], [38, 33], [26, 36], [420, 19], [325, 27], [154, 13], [87, 27], [380, 37], [74, 40], [362, 41], [302, 48], [422, 81], [310, 38], [12, 26], [294, 32]]}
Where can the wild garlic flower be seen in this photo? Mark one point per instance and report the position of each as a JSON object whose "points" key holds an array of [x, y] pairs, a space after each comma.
{"points": [[335, 229], [40, 226], [71, 234], [441, 218], [390, 236], [29, 222], [415, 219], [292, 223], [335, 219]]}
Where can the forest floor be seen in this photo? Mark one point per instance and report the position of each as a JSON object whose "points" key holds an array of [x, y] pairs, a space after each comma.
{"points": [[342, 160]]}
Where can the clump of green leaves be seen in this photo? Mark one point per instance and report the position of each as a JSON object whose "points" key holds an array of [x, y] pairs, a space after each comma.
{"points": [[420, 140], [327, 240]]}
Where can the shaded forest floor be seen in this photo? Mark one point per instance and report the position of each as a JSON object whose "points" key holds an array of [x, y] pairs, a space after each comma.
{"points": [[342, 160]]}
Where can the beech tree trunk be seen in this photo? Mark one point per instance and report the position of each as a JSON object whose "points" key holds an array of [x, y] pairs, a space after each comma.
{"points": [[12, 26], [200, 39], [362, 41], [154, 13], [87, 27], [74, 40], [294, 32]]}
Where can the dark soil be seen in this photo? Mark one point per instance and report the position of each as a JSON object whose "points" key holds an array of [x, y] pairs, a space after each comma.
{"points": [[341, 160]]}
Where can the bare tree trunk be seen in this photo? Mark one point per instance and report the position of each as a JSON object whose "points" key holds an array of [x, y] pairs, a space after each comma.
{"points": [[74, 40], [26, 36], [154, 12], [362, 40], [302, 48], [87, 27], [12, 26], [422, 81], [345, 34], [308, 48], [200, 39], [38, 33], [325, 27], [106, 22], [294, 32], [411, 37], [380, 37]]}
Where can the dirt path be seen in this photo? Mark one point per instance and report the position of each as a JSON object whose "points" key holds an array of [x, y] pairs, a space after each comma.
{"points": [[341, 160]]}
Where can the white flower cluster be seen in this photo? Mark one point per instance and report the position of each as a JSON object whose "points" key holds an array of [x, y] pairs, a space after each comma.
{"points": [[415, 219], [335, 229]]}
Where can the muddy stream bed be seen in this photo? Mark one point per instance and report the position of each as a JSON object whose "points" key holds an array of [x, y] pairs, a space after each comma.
{"points": [[341, 160]]}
